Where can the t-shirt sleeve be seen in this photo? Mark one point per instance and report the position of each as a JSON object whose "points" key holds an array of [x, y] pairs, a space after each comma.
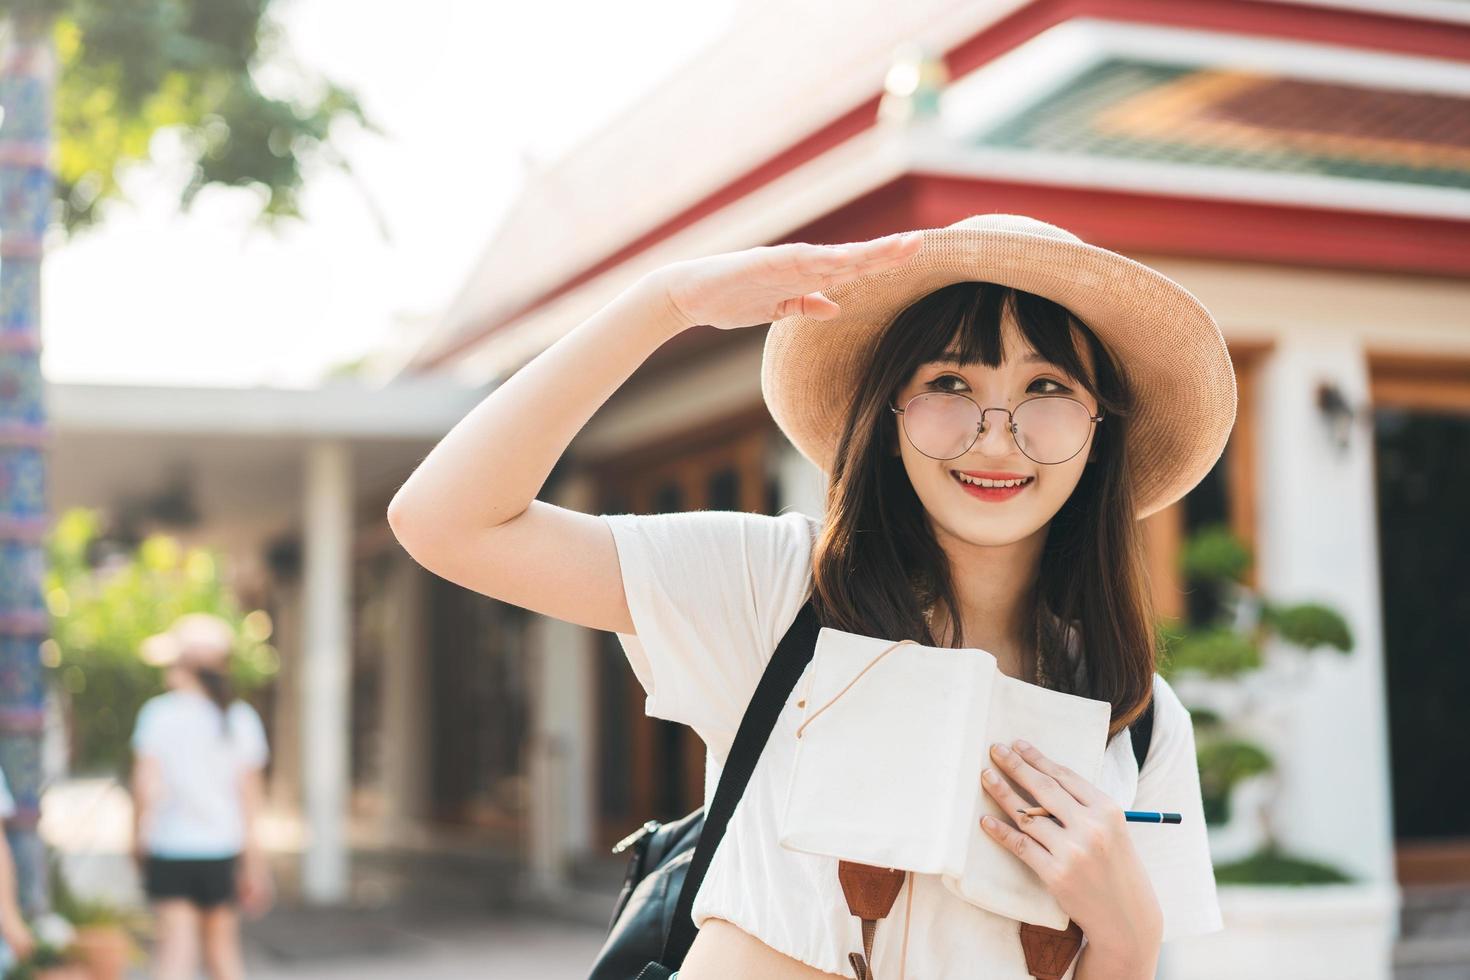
{"points": [[710, 594], [146, 729], [1176, 856], [250, 735]]}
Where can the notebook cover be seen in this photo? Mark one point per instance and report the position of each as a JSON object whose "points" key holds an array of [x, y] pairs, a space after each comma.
{"points": [[876, 777]]}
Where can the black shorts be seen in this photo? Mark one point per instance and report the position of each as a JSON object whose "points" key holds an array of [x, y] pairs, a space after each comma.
{"points": [[203, 881]]}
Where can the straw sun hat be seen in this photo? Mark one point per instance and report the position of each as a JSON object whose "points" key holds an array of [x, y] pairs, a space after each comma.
{"points": [[197, 638], [1162, 336]]}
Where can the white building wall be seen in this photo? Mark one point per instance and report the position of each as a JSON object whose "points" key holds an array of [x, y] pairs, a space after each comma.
{"points": [[1318, 543]]}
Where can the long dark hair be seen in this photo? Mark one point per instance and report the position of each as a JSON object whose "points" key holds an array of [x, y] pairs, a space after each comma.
{"points": [[876, 563], [221, 691]]}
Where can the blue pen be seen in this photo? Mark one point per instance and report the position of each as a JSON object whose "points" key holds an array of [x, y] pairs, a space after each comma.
{"points": [[1132, 816]]}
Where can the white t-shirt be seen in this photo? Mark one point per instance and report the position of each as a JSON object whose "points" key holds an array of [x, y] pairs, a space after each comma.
{"points": [[198, 813], [711, 593]]}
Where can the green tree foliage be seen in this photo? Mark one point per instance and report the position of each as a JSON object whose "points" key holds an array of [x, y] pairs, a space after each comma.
{"points": [[100, 616], [1215, 553], [1217, 651], [1308, 625], [128, 69], [1223, 762], [1272, 866]]}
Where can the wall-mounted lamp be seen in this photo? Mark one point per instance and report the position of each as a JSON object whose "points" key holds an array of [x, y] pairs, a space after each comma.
{"points": [[1340, 415], [915, 80]]}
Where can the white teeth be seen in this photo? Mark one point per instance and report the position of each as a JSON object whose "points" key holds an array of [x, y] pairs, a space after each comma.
{"points": [[982, 482]]}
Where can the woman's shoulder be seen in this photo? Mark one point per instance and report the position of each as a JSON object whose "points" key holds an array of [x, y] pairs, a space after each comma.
{"points": [[240, 706], [242, 712], [159, 703], [1169, 710], [161, 711], [792, 530], [708, 518], [754, 536]]}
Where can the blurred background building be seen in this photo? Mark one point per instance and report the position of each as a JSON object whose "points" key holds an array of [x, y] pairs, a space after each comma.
{"points": [[1302, 167]]}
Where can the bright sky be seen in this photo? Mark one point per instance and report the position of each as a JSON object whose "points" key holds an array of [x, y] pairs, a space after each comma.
{"points": [[464, 88]]}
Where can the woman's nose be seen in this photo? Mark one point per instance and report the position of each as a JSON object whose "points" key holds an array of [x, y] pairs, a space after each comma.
{"points": [[995, 426]]}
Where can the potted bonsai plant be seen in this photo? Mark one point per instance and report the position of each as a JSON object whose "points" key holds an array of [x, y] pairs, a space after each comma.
{"points": [[1285, 914], [103, 942], [52, 957], [48, 962]]}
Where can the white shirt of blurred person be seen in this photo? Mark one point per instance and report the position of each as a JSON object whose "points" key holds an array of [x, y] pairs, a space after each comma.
{"points": [[197, 781], [16, 942]]}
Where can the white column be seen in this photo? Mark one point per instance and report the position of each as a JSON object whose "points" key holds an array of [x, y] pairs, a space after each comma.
{"points": [[1319, 542], [559, 759], [326, 660]]}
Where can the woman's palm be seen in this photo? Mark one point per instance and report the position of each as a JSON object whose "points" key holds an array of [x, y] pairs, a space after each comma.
{"points": [[758, 285]]}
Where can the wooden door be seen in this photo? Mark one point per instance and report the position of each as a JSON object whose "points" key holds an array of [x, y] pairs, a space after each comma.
{"points": [[648, 768]]}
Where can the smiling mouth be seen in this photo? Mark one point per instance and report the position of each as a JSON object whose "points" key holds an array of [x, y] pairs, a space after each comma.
{"points": [[988, 484]]}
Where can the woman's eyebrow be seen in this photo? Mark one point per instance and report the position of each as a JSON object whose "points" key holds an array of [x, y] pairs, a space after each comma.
{"points": [[953, 357]]}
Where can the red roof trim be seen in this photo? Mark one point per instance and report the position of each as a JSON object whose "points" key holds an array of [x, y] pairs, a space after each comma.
{"points": [[1139, 223], [1365, 29]]}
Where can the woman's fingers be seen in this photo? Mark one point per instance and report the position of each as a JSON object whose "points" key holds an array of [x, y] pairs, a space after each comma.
{"points": [[820, 266], [1043, 829], [1042, 787], [762, 284], [813, 305], [1023, 846], [1069, 780], [824, 264]]}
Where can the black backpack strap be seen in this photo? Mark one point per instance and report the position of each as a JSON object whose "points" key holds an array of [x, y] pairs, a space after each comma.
{"points": [[777, 681], [1142, 732]]}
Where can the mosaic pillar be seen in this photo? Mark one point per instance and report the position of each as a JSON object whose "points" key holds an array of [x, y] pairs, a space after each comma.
{"points": [[27, 71]]}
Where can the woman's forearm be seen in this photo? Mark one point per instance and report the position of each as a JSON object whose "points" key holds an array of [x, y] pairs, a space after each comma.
{"points": [[492, 464], [9, 892]]}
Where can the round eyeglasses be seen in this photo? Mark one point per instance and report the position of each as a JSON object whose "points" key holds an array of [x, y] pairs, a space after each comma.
{"points": [[1049, 429]]}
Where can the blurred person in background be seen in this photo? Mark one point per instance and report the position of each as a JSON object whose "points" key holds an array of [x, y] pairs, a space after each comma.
{"points": [[197, 789], [16, 942]]}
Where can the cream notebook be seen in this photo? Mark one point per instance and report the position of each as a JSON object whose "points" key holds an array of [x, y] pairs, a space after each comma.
{"points": [[889, 773]]}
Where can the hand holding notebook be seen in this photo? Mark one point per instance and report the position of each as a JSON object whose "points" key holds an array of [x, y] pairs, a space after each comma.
{"points": [[887, 770]]}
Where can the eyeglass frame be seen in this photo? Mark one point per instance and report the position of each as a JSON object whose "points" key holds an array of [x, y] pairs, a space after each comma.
{"points": [[1010, 423]]}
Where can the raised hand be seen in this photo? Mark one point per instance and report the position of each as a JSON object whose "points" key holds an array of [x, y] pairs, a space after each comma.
{"points": [[761, 284]]}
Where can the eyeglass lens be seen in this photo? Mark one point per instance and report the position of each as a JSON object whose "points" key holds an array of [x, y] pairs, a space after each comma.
{"points": [[945, 425]]}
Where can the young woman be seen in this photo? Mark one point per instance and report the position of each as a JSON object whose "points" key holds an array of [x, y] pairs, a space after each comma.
{"points": [[197, 789], [995, 404]]}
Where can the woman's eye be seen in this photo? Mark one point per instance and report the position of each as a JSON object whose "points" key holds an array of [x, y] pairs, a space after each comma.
{"points": [[1045, 386]]}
